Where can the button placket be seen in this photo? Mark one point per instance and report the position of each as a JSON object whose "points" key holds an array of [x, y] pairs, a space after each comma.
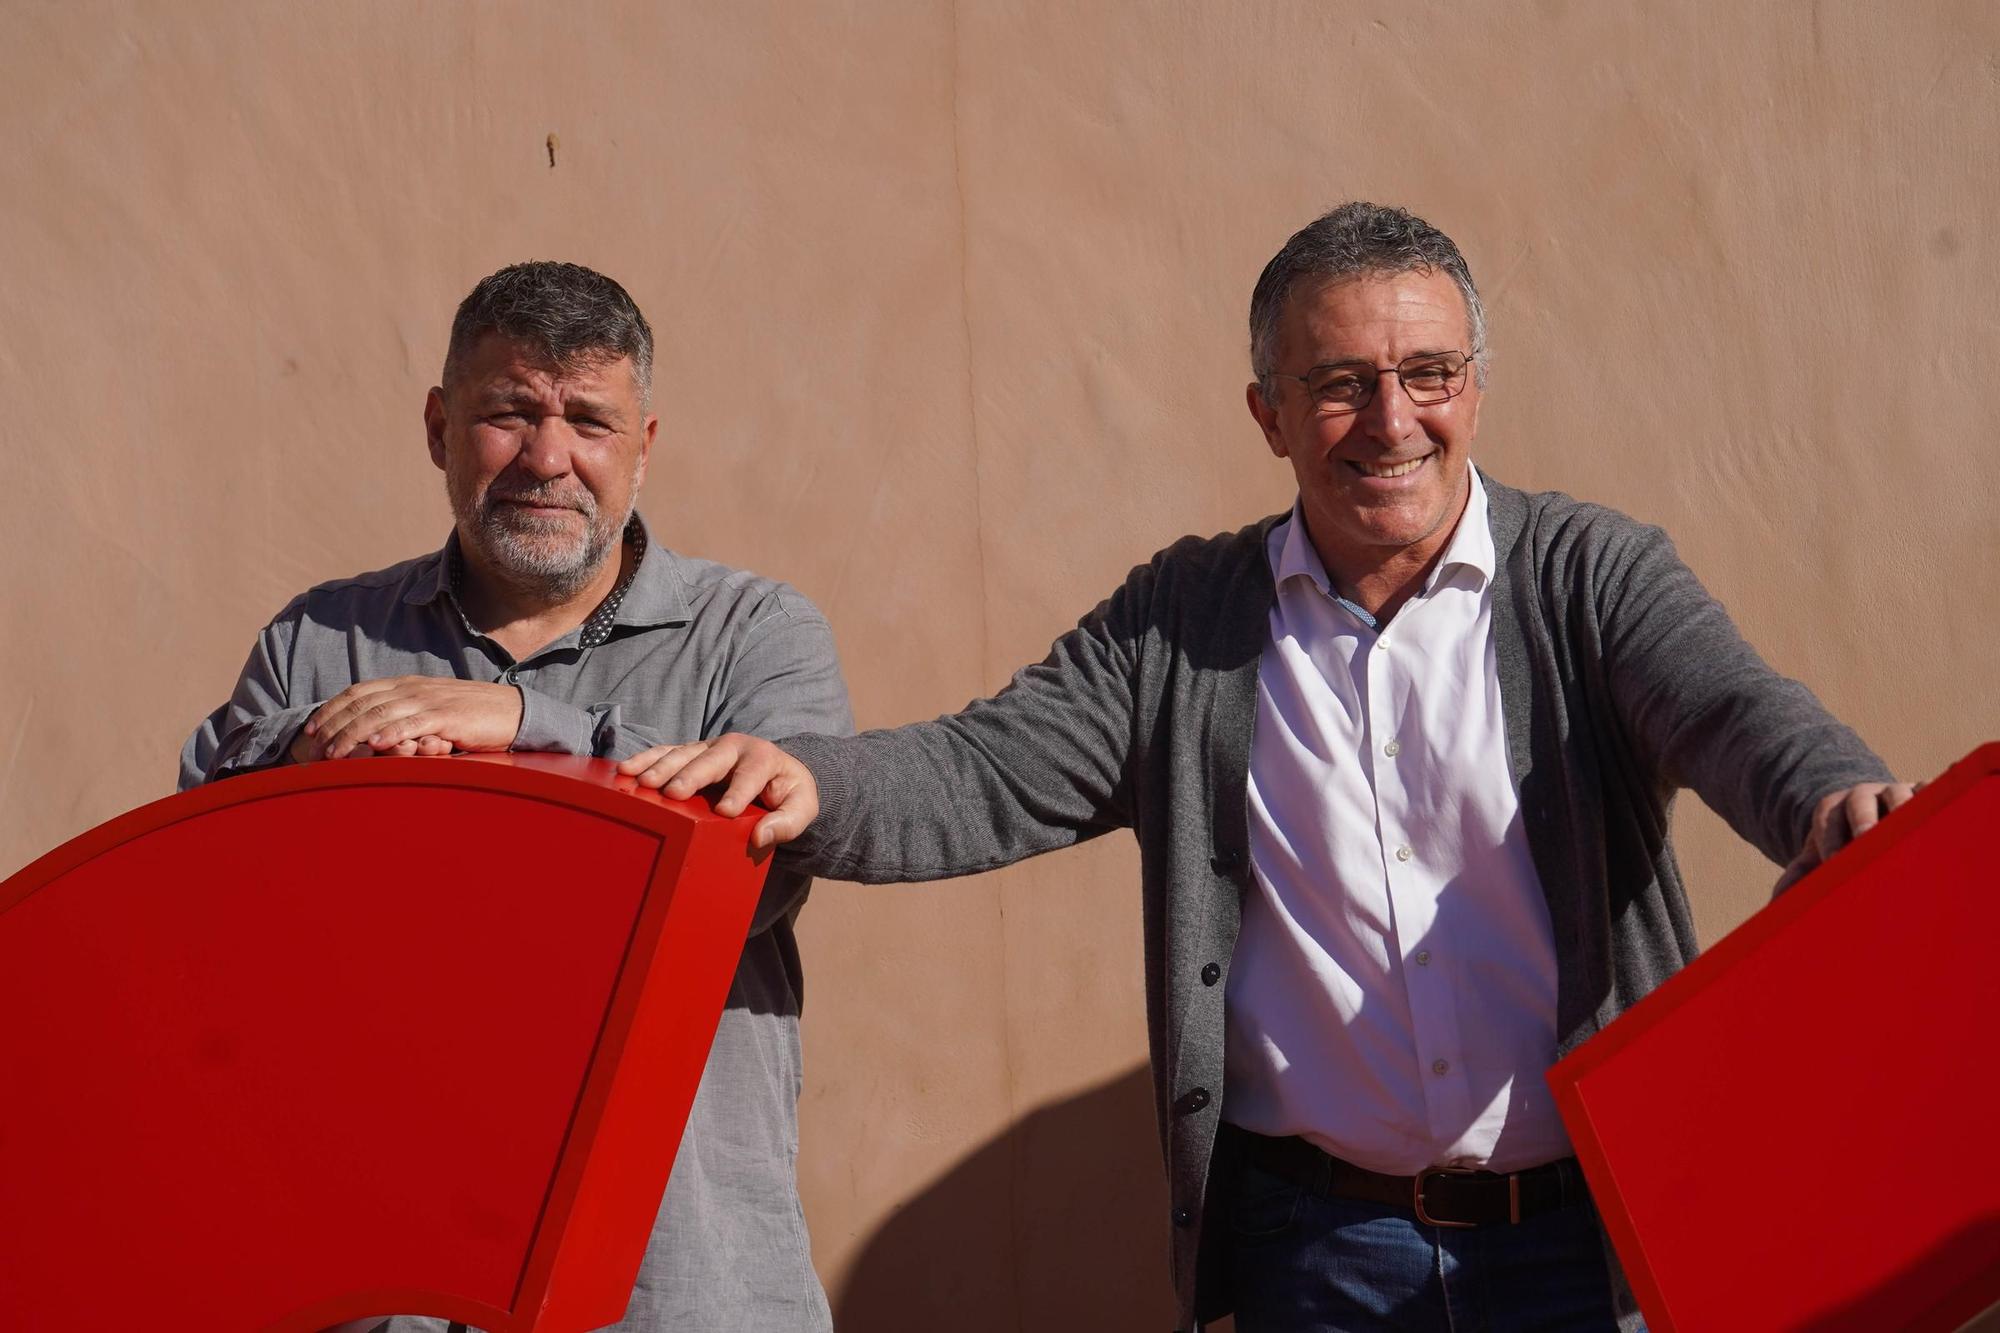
{"points": [[1412, 892]]}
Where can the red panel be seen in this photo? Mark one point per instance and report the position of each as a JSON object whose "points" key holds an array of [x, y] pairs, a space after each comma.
{"points": [[1797, 1131], [386, 1036]]}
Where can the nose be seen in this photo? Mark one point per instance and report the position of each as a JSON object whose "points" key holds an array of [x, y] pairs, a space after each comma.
{"points": [[1389, 415], [545, 450]]}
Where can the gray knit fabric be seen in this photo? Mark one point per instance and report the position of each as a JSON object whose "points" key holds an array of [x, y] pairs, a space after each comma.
{"points": [[1622, 682]]}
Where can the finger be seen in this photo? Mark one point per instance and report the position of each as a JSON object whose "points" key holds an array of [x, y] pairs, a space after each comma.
{"points": [[645, 759], [1829, 825], [747, 781], [793, 809], [1898, 793], [668, 762], [713, 764], [1802, 865], [1864, 807], [432, 747], [396, 726], [664, 761]]}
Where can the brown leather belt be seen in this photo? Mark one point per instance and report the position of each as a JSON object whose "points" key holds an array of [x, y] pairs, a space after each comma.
{"points": [[1439, 1197]]}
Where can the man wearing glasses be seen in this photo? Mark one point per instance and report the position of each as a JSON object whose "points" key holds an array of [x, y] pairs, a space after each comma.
{"points": [[1399, 764]]}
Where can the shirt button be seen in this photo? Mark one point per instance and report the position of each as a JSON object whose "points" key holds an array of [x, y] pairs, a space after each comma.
{"points": [[1423, 958], [1440, 1066], [1393, 748], [1404, 853], [1210, 974]]}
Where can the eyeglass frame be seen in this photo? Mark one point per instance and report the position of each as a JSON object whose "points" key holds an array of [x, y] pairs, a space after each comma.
{"points": [[1463, 376]]}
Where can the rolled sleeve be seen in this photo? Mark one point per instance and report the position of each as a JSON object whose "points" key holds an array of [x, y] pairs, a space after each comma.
{"points": [[255, 728], [549, 725]]}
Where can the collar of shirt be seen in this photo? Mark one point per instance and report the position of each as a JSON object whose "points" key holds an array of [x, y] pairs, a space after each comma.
{"points": [[655, 594], [1471, 547]]}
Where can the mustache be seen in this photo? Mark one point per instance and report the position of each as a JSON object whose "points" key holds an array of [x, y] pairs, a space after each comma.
{"points": [[551, 497]]}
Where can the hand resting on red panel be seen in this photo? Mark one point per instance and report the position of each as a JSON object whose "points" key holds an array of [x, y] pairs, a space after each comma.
{"points": [[1839, 818], [411, 715], [749, 768]]}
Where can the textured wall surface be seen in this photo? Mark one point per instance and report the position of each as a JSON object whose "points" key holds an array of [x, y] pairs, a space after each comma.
{"points": [[950, 301]]}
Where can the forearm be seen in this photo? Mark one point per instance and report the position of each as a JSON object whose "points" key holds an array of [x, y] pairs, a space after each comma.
{"points": [[1758, 747], [256, 727], [228, 743], [952, 797]]}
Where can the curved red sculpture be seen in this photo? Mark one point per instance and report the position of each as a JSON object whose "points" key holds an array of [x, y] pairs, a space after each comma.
{"points": [[1795, 1132], [393, 1036]]}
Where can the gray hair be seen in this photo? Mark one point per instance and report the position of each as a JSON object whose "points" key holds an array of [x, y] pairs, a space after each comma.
{"points": [[1354, 240], [569, 314]]}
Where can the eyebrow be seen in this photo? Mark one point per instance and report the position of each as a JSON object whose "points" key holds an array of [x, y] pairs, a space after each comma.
{"points": [[589, 405], [506, 393]]}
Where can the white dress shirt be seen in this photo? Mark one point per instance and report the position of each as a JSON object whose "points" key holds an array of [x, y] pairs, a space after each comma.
{"points": [[1393, 993]]}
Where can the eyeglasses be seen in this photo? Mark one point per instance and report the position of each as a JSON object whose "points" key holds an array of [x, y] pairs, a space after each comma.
{"points": [[1349, 386]]}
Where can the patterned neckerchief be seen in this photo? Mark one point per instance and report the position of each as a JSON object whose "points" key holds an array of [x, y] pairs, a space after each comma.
{"points": [[597, 627]]}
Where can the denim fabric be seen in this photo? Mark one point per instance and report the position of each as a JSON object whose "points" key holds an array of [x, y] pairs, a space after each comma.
{"points": [[1300, 1262]]}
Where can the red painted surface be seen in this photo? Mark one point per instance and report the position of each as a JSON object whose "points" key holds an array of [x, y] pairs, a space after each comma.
{"points": [[1797, 1131], [384, 1036]]}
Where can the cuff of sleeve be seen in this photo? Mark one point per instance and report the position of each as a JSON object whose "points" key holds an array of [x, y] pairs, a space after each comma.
{"points": [[552, 726], [826, 758], [267, 742]]}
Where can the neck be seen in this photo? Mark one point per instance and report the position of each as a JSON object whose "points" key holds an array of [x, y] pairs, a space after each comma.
{"points": [[524, 617], [1382, 579]]}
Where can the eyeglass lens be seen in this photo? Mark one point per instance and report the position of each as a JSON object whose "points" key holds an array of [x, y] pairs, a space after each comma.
{"points": [[1429, 378]]}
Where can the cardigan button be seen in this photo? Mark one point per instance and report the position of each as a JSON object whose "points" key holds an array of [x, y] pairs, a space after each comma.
{"points": [[1183, 1218], [1195, 1101], [1210, 974], [1225, 860]]}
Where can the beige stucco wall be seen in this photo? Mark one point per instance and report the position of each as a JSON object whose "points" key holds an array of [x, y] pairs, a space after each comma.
{"points": [[950, 301]]}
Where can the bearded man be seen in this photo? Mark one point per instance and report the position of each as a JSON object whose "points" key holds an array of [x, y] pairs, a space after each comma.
{"points": [[551, 621]]}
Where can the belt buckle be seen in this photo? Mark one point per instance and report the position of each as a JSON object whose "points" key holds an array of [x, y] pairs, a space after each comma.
{"points": [[1423, 1214]]}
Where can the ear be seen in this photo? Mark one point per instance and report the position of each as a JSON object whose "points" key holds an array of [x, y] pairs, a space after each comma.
{"points": [[646, 434], [434, 425], [1266, 417]]}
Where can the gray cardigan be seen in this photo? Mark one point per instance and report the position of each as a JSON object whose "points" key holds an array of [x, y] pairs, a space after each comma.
{"points": [[1621, 679]]}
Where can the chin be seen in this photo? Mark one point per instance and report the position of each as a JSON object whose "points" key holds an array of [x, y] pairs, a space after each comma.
{"points": [[525, 557]]}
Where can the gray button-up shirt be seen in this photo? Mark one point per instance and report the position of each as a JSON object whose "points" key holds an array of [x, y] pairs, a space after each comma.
{"points": [[693, 649]]}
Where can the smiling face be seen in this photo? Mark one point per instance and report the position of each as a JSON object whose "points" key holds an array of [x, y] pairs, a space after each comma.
{"points": [[542, 463], [1381, 488]]}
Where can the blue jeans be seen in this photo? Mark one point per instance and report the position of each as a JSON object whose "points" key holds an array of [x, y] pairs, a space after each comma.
{"points": [[1303, 1263]]}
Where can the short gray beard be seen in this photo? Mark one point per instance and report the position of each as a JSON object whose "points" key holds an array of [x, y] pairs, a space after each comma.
{"points": [[520, 549]]}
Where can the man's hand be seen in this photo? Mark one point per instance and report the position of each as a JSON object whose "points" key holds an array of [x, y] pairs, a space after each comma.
{"points": [[411, 715], [753, 769], [305, 749], [1840, 818]]}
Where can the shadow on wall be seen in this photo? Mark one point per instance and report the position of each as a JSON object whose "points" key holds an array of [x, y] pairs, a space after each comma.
{"points": [[1083, 1231]]}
